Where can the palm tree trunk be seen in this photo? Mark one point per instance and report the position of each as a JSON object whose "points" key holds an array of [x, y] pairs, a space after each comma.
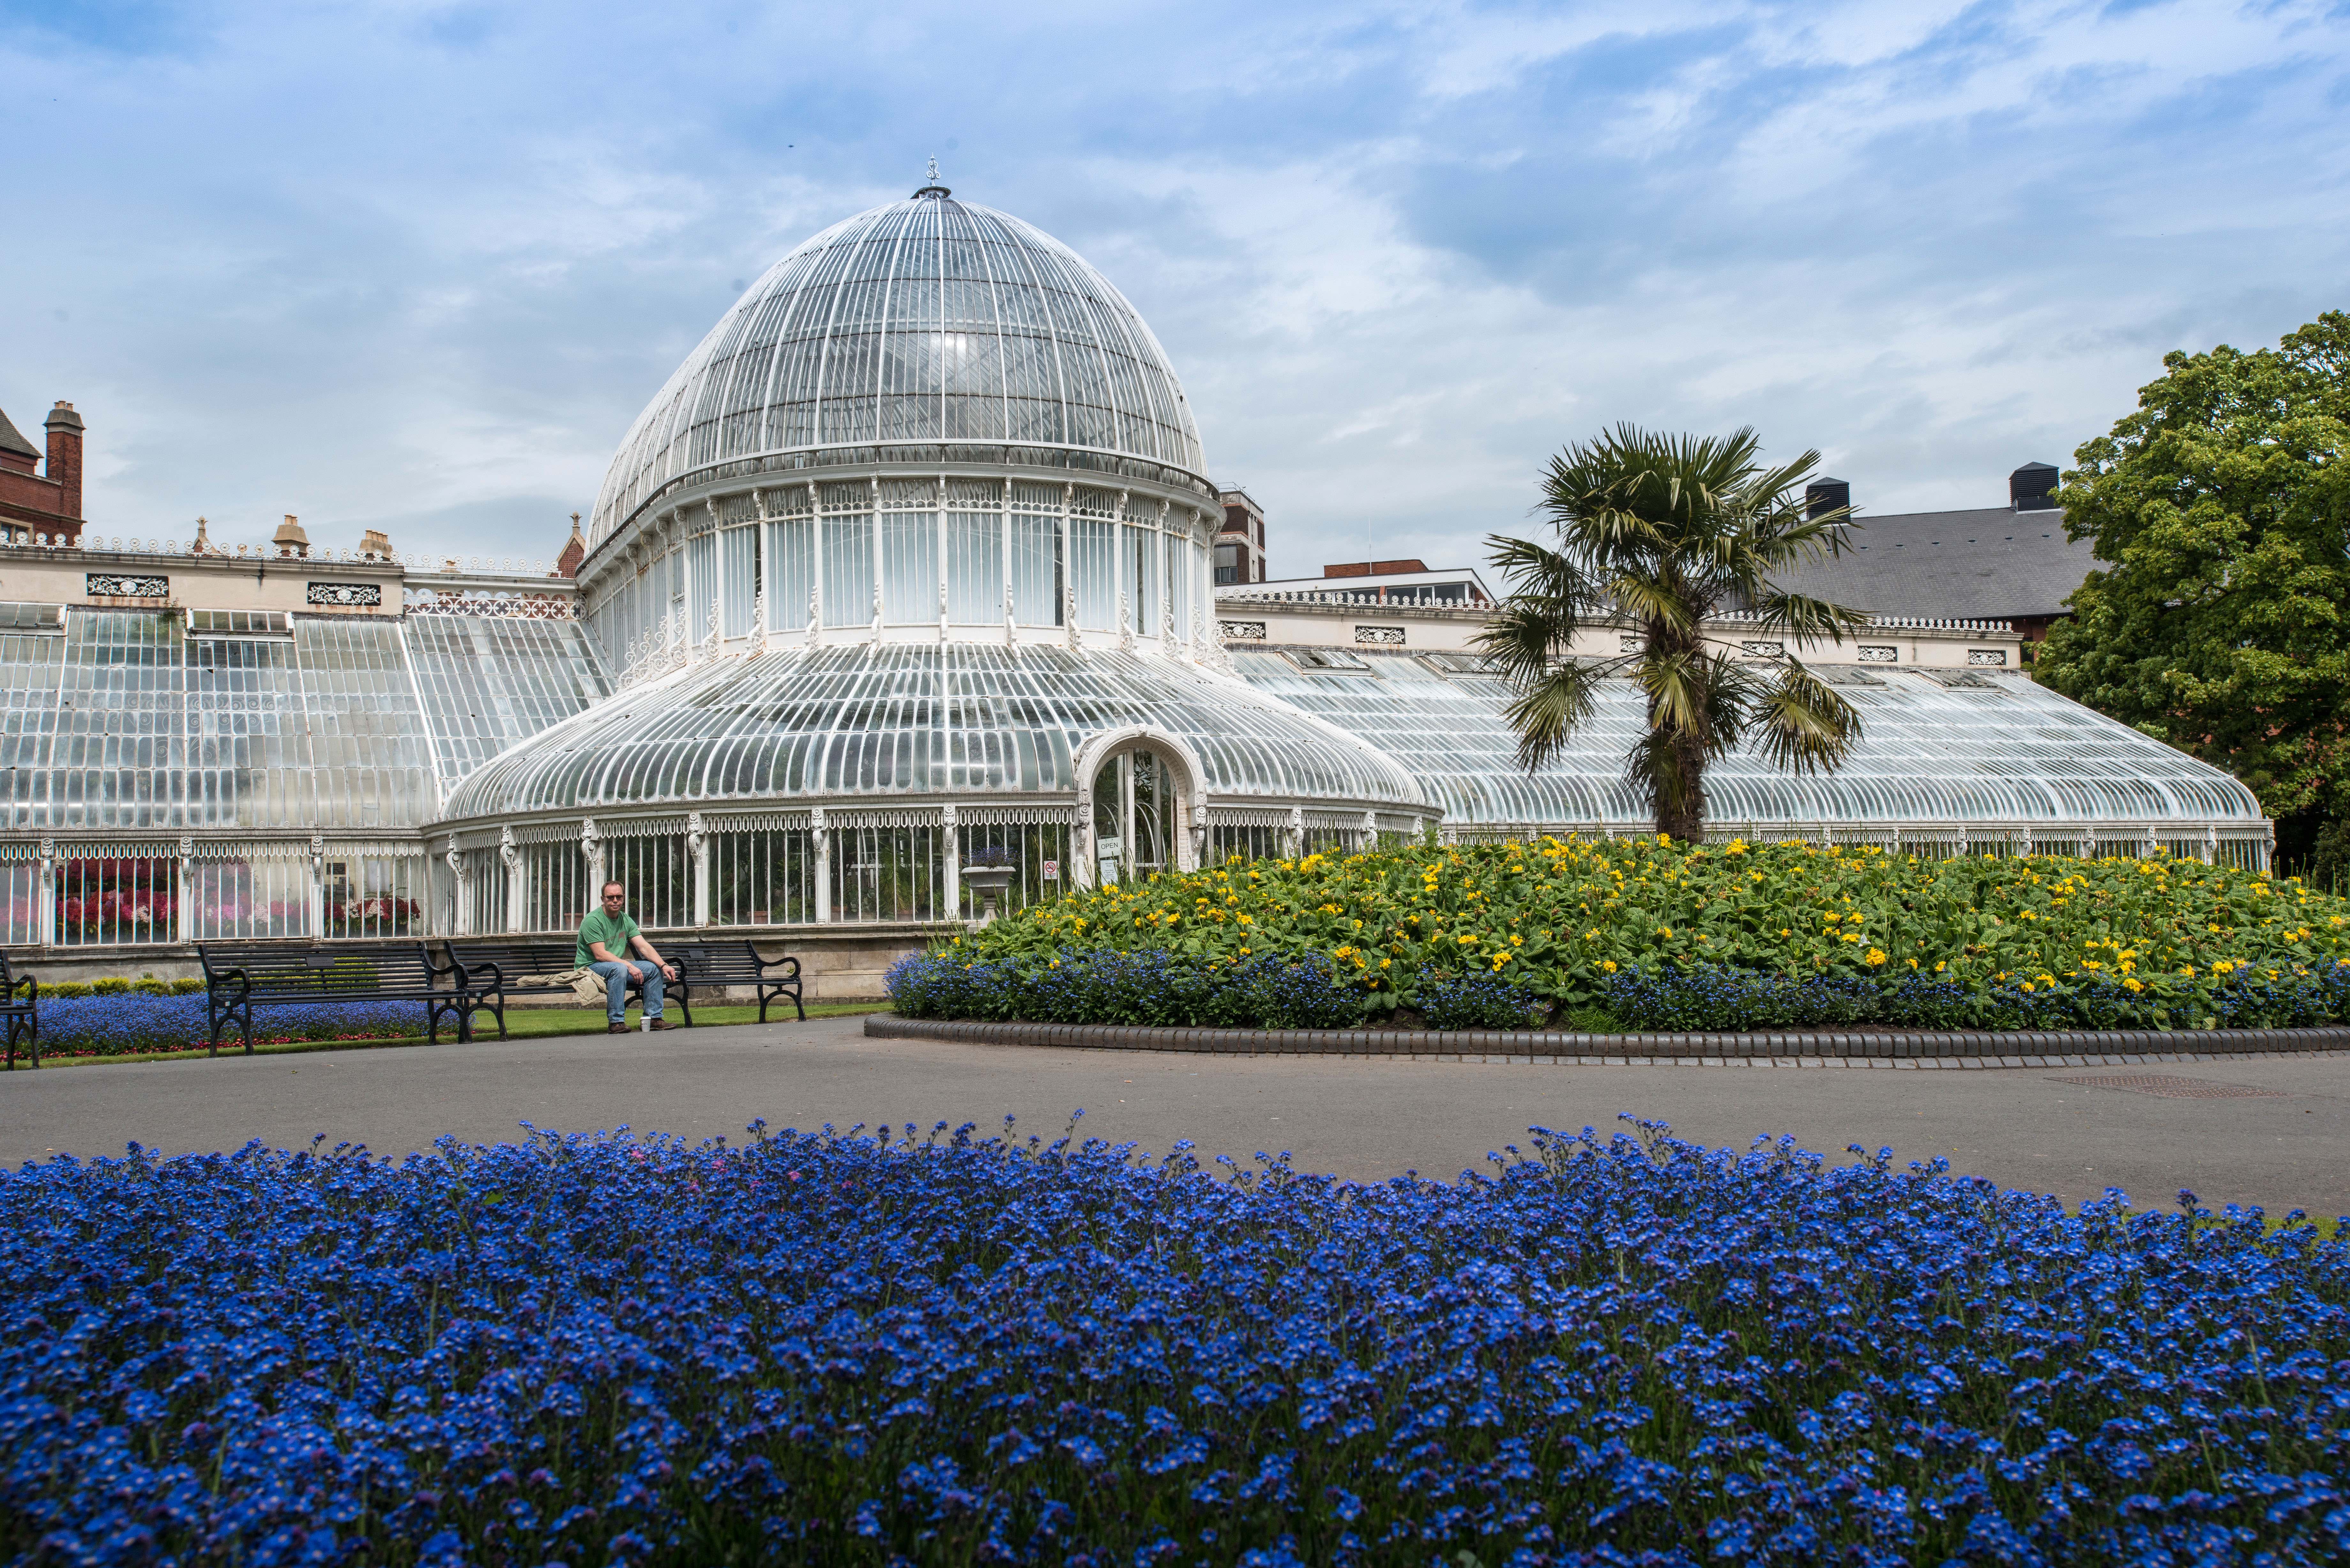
{"points": [[1681, 811]]}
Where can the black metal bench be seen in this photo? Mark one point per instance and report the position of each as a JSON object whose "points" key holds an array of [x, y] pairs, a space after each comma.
{"points": [[720, 964], [489, 967], [24, 1016], [238, 978]]}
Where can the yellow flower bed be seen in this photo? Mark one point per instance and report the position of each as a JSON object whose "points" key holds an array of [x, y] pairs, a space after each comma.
{"points": [[1558, 916]]}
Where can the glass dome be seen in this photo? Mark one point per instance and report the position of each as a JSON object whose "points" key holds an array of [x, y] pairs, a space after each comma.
{"points": [[926, 320]]}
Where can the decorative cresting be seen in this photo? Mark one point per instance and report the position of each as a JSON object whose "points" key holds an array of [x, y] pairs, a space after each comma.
{"points": [[931, 423]]}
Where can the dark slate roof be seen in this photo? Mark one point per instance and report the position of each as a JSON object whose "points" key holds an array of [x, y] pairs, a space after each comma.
{"points": [[1988, 565], [13, 439]]}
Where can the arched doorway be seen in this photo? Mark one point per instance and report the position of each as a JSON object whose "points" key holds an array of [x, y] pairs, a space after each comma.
{"points": [[1135, 819]]}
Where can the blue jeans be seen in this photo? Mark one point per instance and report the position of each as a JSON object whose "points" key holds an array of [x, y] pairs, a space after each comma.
{"points": [[617, 983]]}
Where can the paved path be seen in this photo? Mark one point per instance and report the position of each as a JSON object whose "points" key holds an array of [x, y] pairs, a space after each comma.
{"points": [[1366, 1119]]}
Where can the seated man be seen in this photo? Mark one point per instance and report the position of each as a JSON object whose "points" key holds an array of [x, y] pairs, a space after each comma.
{"points": [[606, 939]]}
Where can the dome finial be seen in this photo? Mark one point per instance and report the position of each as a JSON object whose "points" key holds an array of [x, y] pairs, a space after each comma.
{"points": [[934, 188]]}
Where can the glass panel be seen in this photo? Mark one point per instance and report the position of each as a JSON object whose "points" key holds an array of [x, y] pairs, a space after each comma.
{"points": [[1178, 584], [1038, 856], [654, 872], [486, 893], [886, 873], [258, 897], [1091, 543], [700, 587], [559, 897], [1035, 569], [117, 900], [738, 578], [374, 896], [1148, 555], [368, 750], [488, 681], [1153, 818], [20, 907], [1249, 841], [909, 567], [791, 572], [975, 568], [764, 878], [848, 570]]}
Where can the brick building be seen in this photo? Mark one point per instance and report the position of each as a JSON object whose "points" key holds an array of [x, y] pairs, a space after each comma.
{"points": [[43, 506], [1240, 543]]}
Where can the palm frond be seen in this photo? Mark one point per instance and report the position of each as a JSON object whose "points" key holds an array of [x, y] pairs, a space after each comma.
{"points": [[1805, 725], [1545, 711]]}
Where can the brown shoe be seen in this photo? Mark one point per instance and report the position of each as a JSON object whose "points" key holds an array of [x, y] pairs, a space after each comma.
{"points": [[661, 1023], [618, 1029]]}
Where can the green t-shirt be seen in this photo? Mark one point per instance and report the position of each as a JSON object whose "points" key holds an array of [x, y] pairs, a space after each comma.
{"points": [[599, 927]]}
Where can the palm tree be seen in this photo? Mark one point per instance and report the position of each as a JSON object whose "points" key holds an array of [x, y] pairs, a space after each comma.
{"points": [[1658, 533]]}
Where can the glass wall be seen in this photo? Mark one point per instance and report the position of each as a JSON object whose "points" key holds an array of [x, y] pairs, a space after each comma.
{"points": [[763, 876], [791, 572], [886, 866]]}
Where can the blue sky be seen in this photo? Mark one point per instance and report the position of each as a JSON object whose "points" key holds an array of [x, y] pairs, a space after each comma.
{"points": [[417, 266]]}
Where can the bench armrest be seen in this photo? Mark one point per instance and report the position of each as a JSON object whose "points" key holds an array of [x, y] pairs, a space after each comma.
{"points": [[765, 964], [28, 986], [497, 977]]}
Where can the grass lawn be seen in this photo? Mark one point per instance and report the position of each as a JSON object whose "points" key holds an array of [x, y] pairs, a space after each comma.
{"points": [[522, 1024]]}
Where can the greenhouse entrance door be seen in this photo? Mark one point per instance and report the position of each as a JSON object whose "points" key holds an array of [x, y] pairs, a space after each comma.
{"points": [[1134, 817]]}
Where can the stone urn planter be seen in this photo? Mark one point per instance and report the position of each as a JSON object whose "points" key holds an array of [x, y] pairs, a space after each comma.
{"points": [[989, 882]]}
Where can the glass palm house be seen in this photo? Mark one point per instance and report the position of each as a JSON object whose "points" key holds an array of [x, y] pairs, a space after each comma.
{"points": [[906, 569]]}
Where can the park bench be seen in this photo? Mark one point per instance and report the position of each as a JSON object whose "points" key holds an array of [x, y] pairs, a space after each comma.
{"points": [[716, 965], [239, 977], [491, 969], [24, 1016]]}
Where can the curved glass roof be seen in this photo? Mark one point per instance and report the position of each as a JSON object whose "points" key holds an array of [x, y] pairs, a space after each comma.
{"points": [[127, 720], [2008, 752], [900, 720], [925, 320]]}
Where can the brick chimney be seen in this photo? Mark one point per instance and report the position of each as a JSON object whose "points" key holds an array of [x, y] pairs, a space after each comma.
{"points": [[65, 457], [575, 550]]}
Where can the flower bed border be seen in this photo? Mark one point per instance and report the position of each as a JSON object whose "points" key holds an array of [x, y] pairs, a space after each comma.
{"points": [[1981, 1047]]}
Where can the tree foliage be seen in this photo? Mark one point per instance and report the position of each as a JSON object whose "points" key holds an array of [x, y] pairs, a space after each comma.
{"points": [[1658, 533], [2222, 507]]}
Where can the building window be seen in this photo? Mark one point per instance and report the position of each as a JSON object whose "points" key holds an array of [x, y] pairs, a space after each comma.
{"points": [[1876, 653], [1986, 656], [1388, 635], [1228, 563], [1240, 631]]}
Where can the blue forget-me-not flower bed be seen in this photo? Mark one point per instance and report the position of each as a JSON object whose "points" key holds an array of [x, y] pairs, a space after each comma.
{"points": [[844, 1349], [129, 1022]]}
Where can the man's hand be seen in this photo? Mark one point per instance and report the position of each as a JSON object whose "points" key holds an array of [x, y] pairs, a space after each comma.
{"points": [[635, 975], [669, 971]]}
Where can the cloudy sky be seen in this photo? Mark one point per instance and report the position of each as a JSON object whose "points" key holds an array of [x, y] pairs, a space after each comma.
{"points": [[417, 266]]}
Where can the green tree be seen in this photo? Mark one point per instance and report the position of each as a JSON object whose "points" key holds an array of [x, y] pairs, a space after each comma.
{"points": [[2221, 506], [1657, 533]]}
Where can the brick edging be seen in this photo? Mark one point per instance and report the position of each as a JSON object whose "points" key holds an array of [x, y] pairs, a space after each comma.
{"points": [[2017, 1048]]}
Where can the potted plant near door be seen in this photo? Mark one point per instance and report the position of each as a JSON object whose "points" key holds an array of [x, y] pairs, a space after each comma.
{"points": [[988, 872]]}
